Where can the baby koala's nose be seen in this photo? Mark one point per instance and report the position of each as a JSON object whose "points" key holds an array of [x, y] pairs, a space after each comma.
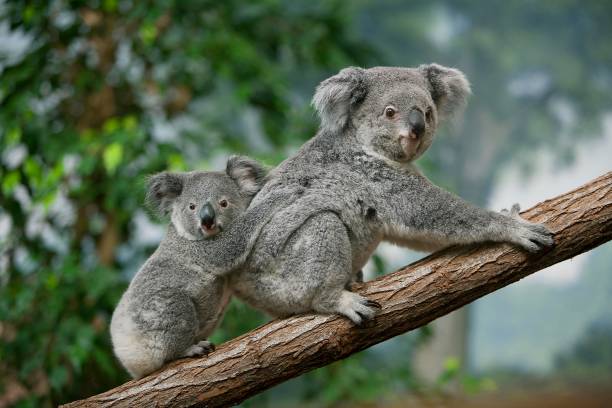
{"points": [[207, 215]]}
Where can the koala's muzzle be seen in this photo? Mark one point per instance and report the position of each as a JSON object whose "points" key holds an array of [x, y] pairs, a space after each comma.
{"points": [[416, 120], [207, 216], [410, 136]]}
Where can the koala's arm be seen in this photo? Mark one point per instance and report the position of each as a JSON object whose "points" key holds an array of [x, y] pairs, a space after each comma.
{"points": [[229, 249], [423, 216], [289, 207]]}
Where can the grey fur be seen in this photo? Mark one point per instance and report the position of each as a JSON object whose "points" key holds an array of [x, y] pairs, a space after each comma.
{"points": [[174, 302], [323, 211]]}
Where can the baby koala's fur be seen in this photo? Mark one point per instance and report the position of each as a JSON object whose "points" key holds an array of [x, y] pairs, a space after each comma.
{"points": [[174, 302]]}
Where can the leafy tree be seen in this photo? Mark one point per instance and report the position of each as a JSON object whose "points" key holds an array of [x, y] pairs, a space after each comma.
{"points": [[100, 94]]}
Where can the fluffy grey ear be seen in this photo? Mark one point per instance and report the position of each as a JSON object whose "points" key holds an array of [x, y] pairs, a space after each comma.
{"points": [[449, 89], [249, 174], [162, 189], [336, 96]]}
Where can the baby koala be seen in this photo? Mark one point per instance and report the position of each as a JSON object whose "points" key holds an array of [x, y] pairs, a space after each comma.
{"points": [[174, 303]]}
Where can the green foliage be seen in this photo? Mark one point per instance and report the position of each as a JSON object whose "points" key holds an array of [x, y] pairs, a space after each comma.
{"points": [[102, 94], [54, 327], [455, 373]]}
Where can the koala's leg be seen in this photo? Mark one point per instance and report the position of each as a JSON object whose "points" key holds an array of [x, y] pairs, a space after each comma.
{"points": [[327, 259], [430, 218], [158, 328]]}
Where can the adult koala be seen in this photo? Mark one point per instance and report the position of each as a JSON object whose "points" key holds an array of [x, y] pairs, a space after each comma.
{"points": [[354, 185]]}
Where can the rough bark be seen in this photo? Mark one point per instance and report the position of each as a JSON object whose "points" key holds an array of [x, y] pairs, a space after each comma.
{"points": [[410, 298]]}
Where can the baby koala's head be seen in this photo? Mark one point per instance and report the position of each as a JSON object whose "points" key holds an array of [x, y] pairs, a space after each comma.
{"points": [[201, 203]]}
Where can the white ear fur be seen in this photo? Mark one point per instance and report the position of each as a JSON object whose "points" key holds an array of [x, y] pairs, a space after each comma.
{"points": [[335, 97], [249, 174], [449, 89]]}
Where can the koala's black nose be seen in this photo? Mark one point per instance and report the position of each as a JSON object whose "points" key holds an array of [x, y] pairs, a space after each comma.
{"points": [[207, 215], [416, 120]]}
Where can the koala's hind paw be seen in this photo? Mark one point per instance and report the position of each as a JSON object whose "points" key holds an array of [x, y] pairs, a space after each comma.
{"points": [[201, 348], [530, 236], [356, 307]]}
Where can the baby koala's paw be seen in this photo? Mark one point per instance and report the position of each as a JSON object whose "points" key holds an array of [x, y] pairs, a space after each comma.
{"points": [[201, 348], [530, 236]]}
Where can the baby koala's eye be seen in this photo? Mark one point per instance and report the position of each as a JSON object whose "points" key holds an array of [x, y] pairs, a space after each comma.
{"points": [[192, 206], [223, 203], [390, 112]]}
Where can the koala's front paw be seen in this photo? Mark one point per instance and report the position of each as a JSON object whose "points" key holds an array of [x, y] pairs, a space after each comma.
{"points": [[201, 348], [356, 307], [530, 236]]}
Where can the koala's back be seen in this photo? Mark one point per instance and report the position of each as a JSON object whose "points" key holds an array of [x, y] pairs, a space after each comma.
{"points": [[331, 186], [171, 301]]}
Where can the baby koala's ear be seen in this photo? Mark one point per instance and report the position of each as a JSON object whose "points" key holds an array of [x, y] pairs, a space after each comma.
{"points": [[249, 174], [449, 89], [162, 190]]}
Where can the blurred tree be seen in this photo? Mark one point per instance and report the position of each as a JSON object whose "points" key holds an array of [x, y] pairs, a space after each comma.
{"points": [[541, 73], [96, 94], [589, 362]]}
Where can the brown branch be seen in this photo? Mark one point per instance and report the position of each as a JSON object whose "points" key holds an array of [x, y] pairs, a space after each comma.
{"points": [[411, 297]]}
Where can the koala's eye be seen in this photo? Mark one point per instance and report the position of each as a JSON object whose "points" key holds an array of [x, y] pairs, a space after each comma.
{"points": [[192, 206], [223, 203], [390, 112], [428, 113]]}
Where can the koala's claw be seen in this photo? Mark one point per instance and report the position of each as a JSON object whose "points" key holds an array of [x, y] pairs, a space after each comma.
{"points": [[534, 237], [530, 236], [514, 211], [373, 303], [201, 348], [356, 307]]}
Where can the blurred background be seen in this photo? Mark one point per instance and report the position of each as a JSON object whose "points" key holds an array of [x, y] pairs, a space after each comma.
{"points": [[94, 95]]}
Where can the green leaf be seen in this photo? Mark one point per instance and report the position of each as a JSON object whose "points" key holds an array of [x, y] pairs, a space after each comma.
{"points": [[111, 125], [147, 33], [176, 162], [130, 122], [13, 136], [109, 5], [452, 364], [33, 170], [10, 181], [112, 157]]}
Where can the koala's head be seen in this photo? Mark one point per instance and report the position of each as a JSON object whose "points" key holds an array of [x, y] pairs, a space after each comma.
{"points": [[393, 111], [200, 203]]}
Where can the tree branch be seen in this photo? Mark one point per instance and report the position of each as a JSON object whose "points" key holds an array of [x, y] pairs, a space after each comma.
{"points": [[410, 298]]}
